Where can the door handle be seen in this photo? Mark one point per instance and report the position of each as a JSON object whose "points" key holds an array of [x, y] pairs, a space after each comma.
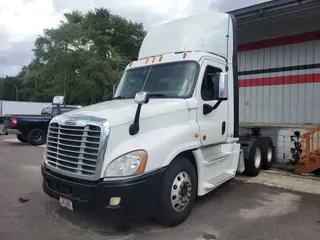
{"points": [[223, 128]]}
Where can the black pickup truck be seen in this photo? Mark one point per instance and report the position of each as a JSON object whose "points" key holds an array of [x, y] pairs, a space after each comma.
{"points": [[33, 129]]}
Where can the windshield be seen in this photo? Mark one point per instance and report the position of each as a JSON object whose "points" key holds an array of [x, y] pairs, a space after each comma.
{"points": [[165, 80]]}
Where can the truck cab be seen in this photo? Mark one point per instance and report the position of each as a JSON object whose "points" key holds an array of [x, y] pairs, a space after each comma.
{"points": [[171, 132]]}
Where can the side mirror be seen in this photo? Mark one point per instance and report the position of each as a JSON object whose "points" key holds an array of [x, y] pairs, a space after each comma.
{"points": [[114, 89], [221, 86], [141, 98], [58, 100], [220, 92]]}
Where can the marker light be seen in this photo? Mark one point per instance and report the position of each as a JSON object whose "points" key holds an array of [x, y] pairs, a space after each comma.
{"points": [[115, 201]]}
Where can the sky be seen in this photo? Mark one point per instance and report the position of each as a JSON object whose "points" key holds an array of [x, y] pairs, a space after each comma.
{"points": [[21, 21]]}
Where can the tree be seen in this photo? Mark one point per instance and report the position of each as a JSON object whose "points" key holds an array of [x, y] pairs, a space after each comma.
{"points": [[8, 88], [81, 58]]}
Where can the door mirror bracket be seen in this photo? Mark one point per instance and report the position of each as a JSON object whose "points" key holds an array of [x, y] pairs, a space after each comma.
{"points": [[208, 108]]}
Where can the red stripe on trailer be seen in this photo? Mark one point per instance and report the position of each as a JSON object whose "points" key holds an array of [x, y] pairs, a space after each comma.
{"points": [[304, 37], [283, 80]]}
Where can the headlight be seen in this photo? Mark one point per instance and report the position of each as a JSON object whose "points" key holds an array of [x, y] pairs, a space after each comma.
{"points": [[132, 163]]}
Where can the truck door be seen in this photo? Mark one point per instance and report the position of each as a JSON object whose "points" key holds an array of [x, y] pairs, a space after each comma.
{"points": [[213, 125]]}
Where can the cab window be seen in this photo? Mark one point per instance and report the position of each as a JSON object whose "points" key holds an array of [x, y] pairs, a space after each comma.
{"points": [[208, 83]]}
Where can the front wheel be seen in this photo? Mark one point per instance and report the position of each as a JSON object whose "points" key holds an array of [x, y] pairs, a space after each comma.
{"points": [[178, 192], [36, 137]]}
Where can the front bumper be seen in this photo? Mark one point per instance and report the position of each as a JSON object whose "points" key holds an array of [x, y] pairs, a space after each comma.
{"points": [[139, 196]]}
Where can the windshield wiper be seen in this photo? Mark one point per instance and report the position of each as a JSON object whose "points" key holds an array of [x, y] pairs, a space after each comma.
{"points": [[158, 95], [119, 97]]}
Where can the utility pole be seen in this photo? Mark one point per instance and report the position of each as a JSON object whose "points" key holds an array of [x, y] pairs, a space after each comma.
{"points": [[16, 91]]}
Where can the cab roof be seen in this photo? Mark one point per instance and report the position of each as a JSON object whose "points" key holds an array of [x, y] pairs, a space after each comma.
{"points": [[209, 32]]}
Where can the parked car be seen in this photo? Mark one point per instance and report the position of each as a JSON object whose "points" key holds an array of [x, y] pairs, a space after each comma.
{"points": [[33, 129]]}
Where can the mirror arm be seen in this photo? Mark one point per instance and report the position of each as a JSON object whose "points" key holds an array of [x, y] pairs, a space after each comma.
{"points": [[59, 109], [134, 127], [217, 104], [208, 108], [114, 89]]}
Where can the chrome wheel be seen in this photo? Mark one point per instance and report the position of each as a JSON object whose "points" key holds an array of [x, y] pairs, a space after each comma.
{"points": [[269, 154], [181, 190], [257, 157]]}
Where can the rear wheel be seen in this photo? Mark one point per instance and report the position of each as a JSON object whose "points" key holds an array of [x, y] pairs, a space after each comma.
{"points": [[268, 153], [254, 162], [22, 138], [36, 137], [178, 192]]}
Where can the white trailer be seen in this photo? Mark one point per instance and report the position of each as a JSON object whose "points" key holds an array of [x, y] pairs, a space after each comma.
{"points": [[279, 71], [20, 107], [170, 133]]}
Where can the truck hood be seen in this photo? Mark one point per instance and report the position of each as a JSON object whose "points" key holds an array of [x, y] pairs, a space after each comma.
{"points": [[119, 112]]}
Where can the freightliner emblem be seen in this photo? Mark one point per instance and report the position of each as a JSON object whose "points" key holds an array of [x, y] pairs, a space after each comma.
{"points": [[70, 122]]}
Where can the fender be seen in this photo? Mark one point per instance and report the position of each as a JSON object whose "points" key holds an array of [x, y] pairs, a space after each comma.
{"points": [[157, 135]]}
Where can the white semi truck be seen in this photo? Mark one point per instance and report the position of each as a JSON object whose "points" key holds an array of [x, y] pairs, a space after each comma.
{"points": [[170, 134]]}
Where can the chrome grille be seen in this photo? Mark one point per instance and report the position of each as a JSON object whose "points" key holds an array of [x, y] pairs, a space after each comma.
{"points": [[72, 148]]}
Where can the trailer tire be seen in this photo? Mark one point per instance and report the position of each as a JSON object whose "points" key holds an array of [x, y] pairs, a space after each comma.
{"points": [[178, 192], [37, 137], [268, 153], [254, 162]]}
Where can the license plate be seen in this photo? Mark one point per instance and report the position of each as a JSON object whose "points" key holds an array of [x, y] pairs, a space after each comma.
{"points": [[66, 203]]}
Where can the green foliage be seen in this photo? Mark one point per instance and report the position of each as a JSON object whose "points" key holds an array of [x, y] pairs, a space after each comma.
{"points": [[82, 58], [7, 88]]}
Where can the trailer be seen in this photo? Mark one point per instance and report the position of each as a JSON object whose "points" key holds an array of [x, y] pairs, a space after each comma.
{"points": [[21, 107], [279, 74]]}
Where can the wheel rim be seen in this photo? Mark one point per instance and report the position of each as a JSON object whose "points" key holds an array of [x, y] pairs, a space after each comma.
{"points": [[37, 137], [257, 157], [181, 190], [269, 154]]}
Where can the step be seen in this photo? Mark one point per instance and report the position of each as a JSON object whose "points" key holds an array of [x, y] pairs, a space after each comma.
{"points": [[214, 182], [304, 167]]}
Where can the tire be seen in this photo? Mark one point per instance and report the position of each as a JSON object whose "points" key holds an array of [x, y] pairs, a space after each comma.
{"points": [[254, 162], [36, 137], [268, 153], [178, 176], [22, 138]]}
